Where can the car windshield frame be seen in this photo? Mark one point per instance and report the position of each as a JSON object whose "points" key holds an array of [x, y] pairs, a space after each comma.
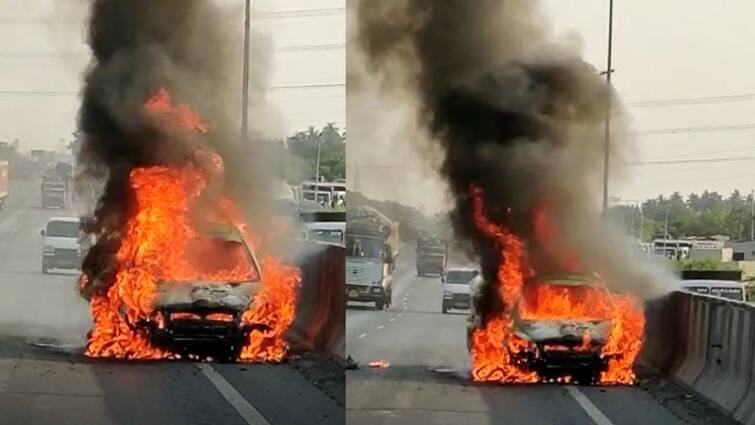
{"points": [[314, 232], [459, 273], [230, 234], [62, 224]]}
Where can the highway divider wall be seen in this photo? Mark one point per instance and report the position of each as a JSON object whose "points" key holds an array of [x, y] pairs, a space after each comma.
{"points": [[319, 325], [708, 345]]}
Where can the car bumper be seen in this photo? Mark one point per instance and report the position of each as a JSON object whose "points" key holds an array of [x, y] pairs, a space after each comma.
{"points": [[460, 301], [364, 293], [55, 261], [553, 364]]}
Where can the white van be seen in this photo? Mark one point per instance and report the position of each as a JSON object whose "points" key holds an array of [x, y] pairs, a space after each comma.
{"points": [[457, 288], [732, 290], [61, 244]]}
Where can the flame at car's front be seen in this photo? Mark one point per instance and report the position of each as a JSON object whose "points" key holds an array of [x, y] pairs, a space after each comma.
{"points": [[582, 323]]}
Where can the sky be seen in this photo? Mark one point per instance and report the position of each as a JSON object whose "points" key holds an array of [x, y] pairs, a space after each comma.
{"points": [[42, 61], [662, 51], [668, 50]]}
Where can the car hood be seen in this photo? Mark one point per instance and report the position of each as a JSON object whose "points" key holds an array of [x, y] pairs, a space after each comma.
{"points": [[364, 271], [564, 331], [211, 295]]}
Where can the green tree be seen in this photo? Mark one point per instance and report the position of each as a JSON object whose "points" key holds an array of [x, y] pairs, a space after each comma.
{"points": [[303, 147]]}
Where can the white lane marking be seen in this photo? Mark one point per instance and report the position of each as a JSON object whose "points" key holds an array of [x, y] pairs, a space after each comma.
{"points": [[592, 410], [392, 319], [380, 328], [250, 415], [400, 314], [362, 335]]}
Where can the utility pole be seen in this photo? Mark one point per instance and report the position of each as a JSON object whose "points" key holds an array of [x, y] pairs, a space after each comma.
{"points": [[665, 226], [317, 172], [752, 215], [609, 96], [642, 222], [245, 94]]}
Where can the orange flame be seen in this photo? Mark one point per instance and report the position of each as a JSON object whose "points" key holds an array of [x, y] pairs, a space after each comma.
{"points": [[160, 243], [494, 346]]}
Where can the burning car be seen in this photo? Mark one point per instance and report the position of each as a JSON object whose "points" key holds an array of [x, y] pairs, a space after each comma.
{"points": [[206, 316], [555, 339]]}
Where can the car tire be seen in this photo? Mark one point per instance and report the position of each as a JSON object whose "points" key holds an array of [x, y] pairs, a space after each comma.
{"points": [[444, 309], [379, 305], [45, 269]]}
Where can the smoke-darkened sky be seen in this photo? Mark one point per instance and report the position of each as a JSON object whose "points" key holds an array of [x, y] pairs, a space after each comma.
{"points": [[662, 50], [41, 63]]}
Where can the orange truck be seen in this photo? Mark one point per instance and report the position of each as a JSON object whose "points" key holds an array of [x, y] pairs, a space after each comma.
{"points": [[4, 176]]}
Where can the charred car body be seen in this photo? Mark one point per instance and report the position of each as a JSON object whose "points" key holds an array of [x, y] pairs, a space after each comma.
{"points": [[205, 317], [558, 346], [553, 344]]}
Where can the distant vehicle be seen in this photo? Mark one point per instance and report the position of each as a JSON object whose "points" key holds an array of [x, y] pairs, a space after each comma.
{"points": [[54, 191], [4, 177], [61, 244], [200, 316], [328, 227], [371, 250], [331, 194], [720, 283], [457, 288], [671, 248], [432, 254], [556, 347]]}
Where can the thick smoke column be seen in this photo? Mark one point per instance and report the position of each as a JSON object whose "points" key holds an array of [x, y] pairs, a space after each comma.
{"points": [[138, 48], [516, 115]]}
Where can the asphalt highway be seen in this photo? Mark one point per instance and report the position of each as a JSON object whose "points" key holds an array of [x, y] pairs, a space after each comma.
{"points": [[44, 378], [427, 381]]}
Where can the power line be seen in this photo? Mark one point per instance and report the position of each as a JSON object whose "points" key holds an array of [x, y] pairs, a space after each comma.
{"points": [[301, 13], [706, 129], [313, 47], [304, 13], [694, 160], [49, 55], [692, 101], [55, 93]]}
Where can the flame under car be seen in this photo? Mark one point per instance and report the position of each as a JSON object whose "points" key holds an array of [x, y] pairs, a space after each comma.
{"points": [[561, 326], [204, 317]]}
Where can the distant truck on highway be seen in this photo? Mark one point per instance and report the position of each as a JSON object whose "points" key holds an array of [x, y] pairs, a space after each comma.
{"points": [[372, 244], [54, 191], [4, 177], [432, 255]]}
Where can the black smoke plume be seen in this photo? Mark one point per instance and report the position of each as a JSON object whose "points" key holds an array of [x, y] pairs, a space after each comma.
{"points": [[516, 114], [139, 47]]}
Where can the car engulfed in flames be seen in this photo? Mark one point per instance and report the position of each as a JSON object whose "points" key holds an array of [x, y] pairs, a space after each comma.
{"points": [[185, 280], [560, 341], [565, 327]]}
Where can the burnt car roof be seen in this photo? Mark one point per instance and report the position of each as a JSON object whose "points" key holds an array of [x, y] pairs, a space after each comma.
{"points": [[567, 279]]}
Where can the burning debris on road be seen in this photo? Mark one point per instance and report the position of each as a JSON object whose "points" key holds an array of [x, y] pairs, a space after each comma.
{"points": [[175, 270], [519, 121]]}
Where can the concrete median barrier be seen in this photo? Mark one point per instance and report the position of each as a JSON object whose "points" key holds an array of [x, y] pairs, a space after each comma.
{"points": [[695, 354], [708, 345], [725, 378], [319, 325]]}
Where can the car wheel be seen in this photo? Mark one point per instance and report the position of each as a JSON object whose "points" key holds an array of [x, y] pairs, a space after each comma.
{"points": [[379, 305], [445, 309], [45, 269]]}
